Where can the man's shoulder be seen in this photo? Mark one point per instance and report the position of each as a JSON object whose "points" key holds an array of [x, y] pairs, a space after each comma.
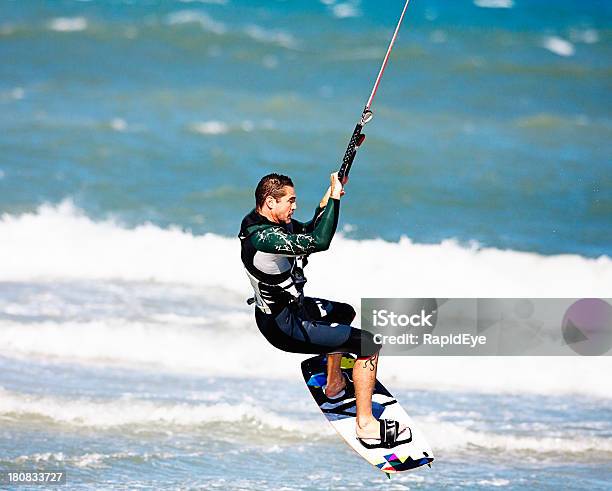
{"points": [[254, 223]]}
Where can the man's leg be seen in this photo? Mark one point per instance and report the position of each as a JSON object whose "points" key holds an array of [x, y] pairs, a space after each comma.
{"points": [[364, 379], [335, 380], [331, 312], [364, 371]]}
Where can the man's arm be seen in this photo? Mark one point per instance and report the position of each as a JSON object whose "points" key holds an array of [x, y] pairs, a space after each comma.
{"points": [[276, 240], [310, 224]]}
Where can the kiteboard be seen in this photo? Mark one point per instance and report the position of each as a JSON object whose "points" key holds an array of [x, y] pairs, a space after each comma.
{"points": [[412, 452]]}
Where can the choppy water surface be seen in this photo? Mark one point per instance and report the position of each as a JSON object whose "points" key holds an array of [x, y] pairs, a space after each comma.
{"points": [[131, 137]]}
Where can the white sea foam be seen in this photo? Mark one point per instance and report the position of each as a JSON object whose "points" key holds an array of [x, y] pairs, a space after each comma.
{"points": [[170, 347], [129, 411], [547, 376], [493, 482], [119, 252], [558, 46], [345, 10], [68, 24], [184, 348], [494, 4], [196, 17], [214, 127], [77, 248], [87, 460], [210, 128], [280, 38], [444, 435], [118, 124], [15, 94]]}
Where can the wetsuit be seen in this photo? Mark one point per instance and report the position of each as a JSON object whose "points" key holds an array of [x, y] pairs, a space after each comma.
{"points": [[274, 256]]}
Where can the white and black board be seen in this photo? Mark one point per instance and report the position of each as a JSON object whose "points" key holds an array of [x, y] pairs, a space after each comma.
{"points": [[340, 412]]}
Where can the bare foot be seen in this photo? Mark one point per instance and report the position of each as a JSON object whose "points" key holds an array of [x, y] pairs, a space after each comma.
{"points": [[333, 389], [371, 429], [368, 429]]}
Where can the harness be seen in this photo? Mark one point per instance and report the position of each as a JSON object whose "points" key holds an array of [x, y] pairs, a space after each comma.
{"points": [[274, 292]]}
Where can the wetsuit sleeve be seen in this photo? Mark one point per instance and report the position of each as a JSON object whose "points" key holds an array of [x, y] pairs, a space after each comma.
{"points": [[310, 225], [276, 240]]}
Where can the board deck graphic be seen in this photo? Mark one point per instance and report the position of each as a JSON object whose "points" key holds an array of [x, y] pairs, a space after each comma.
{"points": [[340, 412]]}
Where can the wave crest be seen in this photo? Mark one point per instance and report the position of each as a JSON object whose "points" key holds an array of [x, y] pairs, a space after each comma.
{"points": [[61, 242]]}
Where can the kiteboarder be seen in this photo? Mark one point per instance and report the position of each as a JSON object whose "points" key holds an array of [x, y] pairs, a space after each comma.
{"points": [[274, 250]]}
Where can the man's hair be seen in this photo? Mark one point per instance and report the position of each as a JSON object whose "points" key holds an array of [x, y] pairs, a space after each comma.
{"points": [[271, 185]]}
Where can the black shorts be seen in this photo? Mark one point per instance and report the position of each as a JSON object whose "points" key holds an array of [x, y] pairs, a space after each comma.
{"points": [[319, 326]]}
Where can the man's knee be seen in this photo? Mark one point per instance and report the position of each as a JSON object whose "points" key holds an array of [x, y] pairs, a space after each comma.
{"points": [[368, 346], [344, 313]]}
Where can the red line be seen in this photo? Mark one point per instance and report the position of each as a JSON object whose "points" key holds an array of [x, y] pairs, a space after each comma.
{"points": [[384, 64]]}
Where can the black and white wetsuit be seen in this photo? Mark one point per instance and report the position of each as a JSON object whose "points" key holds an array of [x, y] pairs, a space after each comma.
{"points": [[274, 256]]}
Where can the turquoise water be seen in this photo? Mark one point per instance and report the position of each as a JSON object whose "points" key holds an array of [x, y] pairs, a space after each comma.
{"points": [[491, 124], [154, 430], [132, 134]]}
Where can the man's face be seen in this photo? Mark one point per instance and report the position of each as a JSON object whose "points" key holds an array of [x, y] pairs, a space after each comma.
{"points": [[283, 209]]}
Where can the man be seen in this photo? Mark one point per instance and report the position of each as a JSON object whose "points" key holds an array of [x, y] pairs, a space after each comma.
{"points": [[274, 250]]}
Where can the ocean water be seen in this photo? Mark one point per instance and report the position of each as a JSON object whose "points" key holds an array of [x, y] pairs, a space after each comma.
{"points": [[132, 134]]}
